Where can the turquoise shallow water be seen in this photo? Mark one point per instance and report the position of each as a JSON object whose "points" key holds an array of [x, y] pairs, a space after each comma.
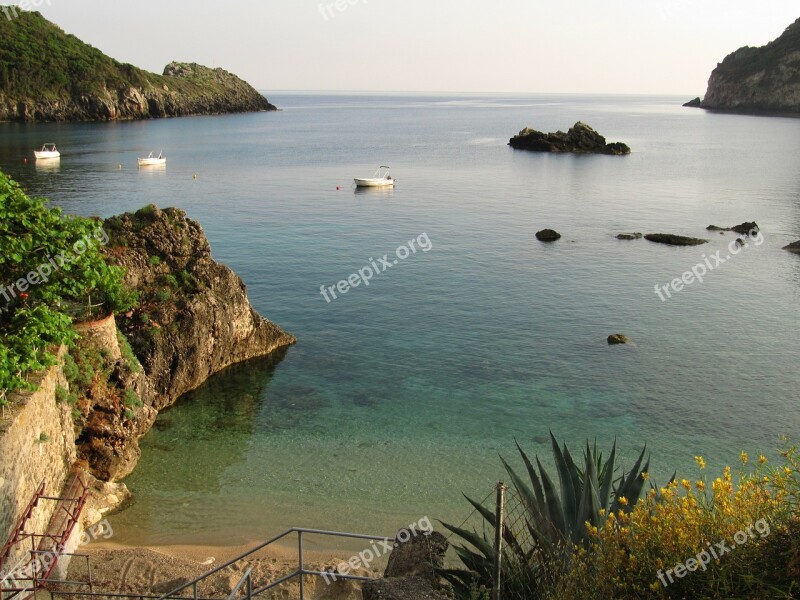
{"points": [[400, 395]]}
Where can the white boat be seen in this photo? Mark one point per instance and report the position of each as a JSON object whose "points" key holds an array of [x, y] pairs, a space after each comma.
{"points": [[381, 178], [47, 151], [153, 160]]}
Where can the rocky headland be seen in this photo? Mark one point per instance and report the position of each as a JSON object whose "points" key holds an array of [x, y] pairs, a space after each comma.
{"points": [[89, 410], [759, 80], [48, 75], [580, 139]]}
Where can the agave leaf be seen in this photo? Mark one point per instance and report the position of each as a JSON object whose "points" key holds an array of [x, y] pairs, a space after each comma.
{"points": [[537, 486], [473, 538], [553, 504], [568, 498], [607, 476]]}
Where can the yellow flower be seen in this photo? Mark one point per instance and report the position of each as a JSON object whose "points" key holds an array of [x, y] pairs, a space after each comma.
{"points": [[623, 500], [645, 475], [700, 461], [686, 484], [701, 485], [743, 457], [762, 459]]}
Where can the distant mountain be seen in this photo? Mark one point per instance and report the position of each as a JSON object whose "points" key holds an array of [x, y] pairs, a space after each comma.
{"points": [[48, 75], [765, 79]]}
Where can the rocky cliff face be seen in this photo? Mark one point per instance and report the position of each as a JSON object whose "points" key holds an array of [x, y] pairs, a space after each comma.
{"points": [[184, 89], [759, 80], [193, 320]]}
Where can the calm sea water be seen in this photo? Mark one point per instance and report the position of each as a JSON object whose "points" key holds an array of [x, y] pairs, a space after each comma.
{"points": [[401, 395]]}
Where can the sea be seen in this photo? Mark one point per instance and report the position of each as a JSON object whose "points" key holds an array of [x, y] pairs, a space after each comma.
{"points": [[471, 336]]}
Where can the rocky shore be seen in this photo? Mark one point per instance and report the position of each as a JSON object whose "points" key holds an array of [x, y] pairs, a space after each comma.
{"points": [[68, 80]]}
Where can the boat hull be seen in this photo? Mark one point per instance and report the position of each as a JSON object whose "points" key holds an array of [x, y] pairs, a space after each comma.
{"points": [[371, 182], [39, 154], [150, 162]]}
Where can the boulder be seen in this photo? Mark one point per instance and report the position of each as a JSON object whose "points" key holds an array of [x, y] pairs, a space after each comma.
{"points": [[618, 338], [629, 236], [674, 240], [581, 139], [793, 247], [417, 557], [745, 228], [400, 588], [547, 235], [696, 103]]}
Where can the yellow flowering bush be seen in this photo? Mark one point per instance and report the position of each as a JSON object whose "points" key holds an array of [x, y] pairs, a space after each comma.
{"points": [[731, 537]]}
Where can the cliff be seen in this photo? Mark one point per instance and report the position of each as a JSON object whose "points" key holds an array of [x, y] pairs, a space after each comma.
{"points": [[48, 75], [759, 80], [193, 320]]}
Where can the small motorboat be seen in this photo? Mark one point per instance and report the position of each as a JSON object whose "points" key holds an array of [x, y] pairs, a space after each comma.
{"points": [[381, 178], [153, 160], [47, 151]]}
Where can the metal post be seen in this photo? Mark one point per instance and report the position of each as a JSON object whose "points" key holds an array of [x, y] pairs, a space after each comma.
{"points": [[498, 538], [194, 589], [249, 586], [302, 566]]}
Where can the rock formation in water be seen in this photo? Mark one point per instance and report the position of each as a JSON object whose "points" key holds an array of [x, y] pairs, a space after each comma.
{"points": [[674, 240], [548, 235], [744, 228], [193, 319], [759, 80], [793, 247], [47, 75], [580, 139]]}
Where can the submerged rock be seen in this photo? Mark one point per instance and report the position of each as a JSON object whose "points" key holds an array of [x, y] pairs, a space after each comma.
{"points": [[629, 236], [618, 338], [674, 240], [696, 103], [547, 235], [793, 247], [581, 139]]}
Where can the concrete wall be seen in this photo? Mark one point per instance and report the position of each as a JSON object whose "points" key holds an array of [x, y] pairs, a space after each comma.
{"points": [[37, 443]]}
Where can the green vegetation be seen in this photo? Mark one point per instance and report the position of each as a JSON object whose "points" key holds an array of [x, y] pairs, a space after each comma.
{"points": [[636, 545], [155, 260], [52, 272], [556, 519], [749, 61]]}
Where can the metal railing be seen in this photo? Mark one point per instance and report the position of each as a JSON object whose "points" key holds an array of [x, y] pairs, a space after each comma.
{"points": [[246, 580]]}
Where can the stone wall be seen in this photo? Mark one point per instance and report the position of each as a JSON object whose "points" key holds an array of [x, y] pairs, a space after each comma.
{"points": [[37, 443]]}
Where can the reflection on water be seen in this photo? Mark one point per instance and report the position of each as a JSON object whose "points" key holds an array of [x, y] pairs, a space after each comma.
{"points": [[48, 164]]}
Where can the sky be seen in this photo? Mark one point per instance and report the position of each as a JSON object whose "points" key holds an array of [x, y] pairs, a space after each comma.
{"points": [[516, 46]]}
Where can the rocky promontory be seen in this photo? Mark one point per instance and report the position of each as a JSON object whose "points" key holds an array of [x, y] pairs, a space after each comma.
{"points": [[193, 319], [580, 139], [48, 75], [759, 80]]}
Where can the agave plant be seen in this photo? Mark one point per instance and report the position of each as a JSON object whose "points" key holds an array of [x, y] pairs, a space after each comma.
{"points": [[555, 521]]}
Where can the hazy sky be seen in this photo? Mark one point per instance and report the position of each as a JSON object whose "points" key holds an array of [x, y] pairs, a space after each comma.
{"points": [[601, 46]]}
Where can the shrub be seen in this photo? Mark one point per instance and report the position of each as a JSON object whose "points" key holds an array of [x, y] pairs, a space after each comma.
{"points": [[155, 260], [74, 280]]}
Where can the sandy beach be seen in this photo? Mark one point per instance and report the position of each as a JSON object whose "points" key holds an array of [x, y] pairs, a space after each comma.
{"points": [[160, 569]]}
